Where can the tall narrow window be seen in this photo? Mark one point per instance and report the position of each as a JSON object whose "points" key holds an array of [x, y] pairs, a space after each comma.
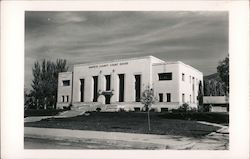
{"points": [[137, 88], [62, 98], [183, 98], [183, 77], [193, 94], [67, 99], [168, 97], [95, 88], [81, 90], [121, 87], [160, 97], [107, 77]]}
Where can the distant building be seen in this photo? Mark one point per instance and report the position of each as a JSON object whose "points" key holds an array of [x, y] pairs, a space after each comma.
{"points": [[216, 103], [117, 84]]}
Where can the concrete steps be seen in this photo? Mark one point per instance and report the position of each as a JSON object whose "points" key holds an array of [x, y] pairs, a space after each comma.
{"points": [[111, 108], [71, 113], [93, 107]]}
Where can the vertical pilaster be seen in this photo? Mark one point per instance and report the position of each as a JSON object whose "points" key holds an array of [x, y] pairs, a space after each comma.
{"points": [[114, 86], [101, 87]]}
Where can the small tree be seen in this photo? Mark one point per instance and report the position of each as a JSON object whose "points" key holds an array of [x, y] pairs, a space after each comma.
{"points": [[223, 70], [148, 99], [184, 108], [45, 82], [200, 97]]}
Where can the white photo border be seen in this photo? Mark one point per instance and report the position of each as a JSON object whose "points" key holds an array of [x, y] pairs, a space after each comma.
{"points": [[12, 76]]}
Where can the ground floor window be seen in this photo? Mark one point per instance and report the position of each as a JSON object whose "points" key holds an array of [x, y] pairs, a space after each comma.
{"points": [[66, 82], [183, 98], [160, 97], [67, 98], [168, 97]]}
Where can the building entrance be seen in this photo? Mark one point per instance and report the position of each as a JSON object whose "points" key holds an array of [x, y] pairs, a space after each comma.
{"points": [[107, 99]]}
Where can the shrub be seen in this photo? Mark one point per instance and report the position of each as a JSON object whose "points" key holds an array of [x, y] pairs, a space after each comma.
{"points": [[41, 112], [164, 109], [121, 110], [137, 109], [183, 108], [192, 109], [98, 109], [153, 110], [213, 117], [66, 108]]}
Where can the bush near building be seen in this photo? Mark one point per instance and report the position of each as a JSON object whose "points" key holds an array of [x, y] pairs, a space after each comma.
{"points": [[220, 118], [41, 112]]}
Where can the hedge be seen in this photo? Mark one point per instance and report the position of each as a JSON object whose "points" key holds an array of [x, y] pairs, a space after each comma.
{"points": [[220, 118], [41, 112]]}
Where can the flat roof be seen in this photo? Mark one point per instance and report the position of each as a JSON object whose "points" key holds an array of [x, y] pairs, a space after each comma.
{"points": [[118, 60], [176, 62], [65, 72]]}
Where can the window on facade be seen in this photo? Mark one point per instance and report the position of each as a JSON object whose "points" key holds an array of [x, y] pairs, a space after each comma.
{"points": [[67, 98], [165, 76], [183, 77], [66, 82], [82, 90], [168, 97], [108, 82], [62, 98], [95, 88], [160, 97], [183, 98]]}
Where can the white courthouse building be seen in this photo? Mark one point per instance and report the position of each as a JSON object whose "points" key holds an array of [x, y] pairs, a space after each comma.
{"points": [[118, 84]]}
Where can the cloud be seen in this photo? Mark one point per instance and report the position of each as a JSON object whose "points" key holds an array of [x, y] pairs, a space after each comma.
{"points": [[196, 38]]}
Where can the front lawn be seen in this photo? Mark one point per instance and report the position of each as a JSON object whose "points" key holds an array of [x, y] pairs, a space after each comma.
{"points": [[132, 122]]}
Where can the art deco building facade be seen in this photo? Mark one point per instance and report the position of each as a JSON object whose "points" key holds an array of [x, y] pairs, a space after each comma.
{"points": [[117, 84]]}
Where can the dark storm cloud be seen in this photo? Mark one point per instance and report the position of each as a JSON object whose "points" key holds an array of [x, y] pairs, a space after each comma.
{"points": [[196, 38]]}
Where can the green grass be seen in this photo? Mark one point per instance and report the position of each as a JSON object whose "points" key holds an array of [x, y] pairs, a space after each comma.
{"points": [[128, 122]]}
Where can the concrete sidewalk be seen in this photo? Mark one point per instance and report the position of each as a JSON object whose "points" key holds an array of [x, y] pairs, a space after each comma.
{"points": [[116, 138], [65, 114]]}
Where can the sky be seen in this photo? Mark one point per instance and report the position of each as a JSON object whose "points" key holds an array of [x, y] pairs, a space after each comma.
{"points": [[199, 39]]}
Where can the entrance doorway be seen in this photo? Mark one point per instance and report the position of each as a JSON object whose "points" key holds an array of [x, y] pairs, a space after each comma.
{"points": [[107, 99]]}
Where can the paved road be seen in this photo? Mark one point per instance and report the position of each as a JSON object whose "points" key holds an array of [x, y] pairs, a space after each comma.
{"points": [[40, 143], [62, 138]]}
